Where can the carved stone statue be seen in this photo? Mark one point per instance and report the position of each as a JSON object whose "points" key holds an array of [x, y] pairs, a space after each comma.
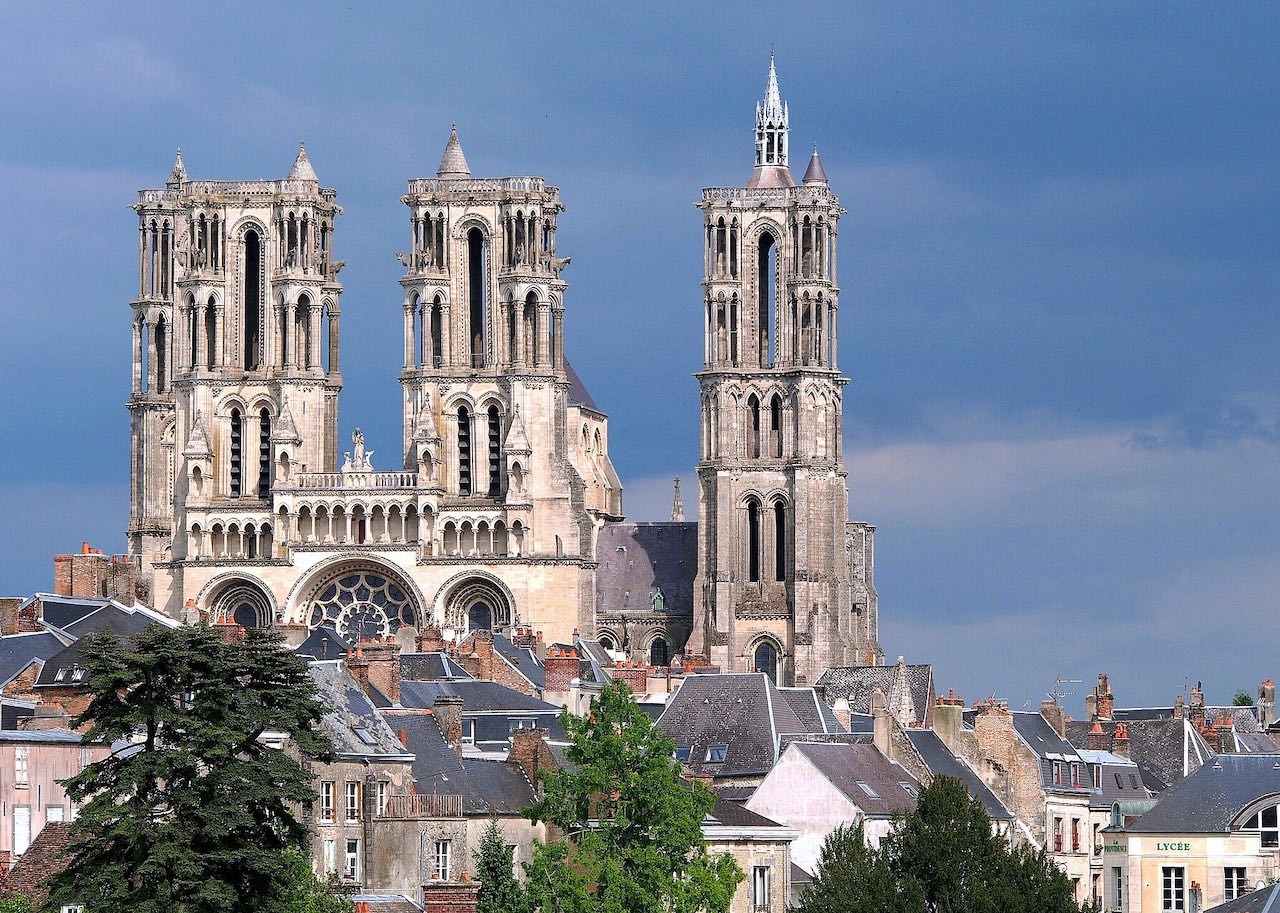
{"points": [[346, 461], [363, 458]]}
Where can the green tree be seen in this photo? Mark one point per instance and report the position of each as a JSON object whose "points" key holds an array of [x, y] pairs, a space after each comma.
{"points": [[942, 858], [17, 903], [632, 828], [305, 893], [1243, 699], [500, 891], [196, 816]]}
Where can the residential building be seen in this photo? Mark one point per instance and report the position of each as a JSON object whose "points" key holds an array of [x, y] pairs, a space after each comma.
{"points": [[32, 765]]}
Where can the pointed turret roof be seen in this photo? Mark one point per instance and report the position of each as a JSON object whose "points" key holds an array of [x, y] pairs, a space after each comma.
{"points": [[771, 110], [179, 172], [424, 429], [677, 504], [286, 429], [198, 439], [771, 136], [517, 440], [453, 164], [302, 170], [815, 174]]}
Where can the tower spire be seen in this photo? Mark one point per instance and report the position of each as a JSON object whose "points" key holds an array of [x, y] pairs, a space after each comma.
{"points": [[677, 505], [453, 164], [179, 172], [772, 133], [302, 170]]}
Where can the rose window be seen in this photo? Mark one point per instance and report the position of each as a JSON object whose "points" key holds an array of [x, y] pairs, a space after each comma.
{"points": [[363, 604]]}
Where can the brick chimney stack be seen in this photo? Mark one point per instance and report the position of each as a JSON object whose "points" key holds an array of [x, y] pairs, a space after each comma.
{"points": [[383, 657], [1196, 707], [562, 666], [1105, 700], [1097, 738], [1226, 734], [529, 750], [430, 640], [1267, 703], [359, 667], [447, 710], [881, 726], [1178, 709], [1120, 742], [450, 897], [948, 719], [1051, 710], [842, 713], [634, 674]]}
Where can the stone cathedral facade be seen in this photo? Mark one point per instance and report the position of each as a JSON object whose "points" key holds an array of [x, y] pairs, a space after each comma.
{"points": [[503, 507]]}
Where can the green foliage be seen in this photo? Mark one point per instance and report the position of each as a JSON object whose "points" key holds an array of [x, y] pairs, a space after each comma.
{"points": [[500, 892], [633, 829], [196, 817], [305, 893], [941, 858], [18, 903], [1242, 699]]}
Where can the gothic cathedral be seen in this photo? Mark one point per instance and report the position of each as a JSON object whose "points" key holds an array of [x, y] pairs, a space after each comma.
{"points": [[504, 509]]}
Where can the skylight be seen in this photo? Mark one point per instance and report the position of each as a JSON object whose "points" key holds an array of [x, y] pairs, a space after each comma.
{"points": [[866, 788], [716, 753]]}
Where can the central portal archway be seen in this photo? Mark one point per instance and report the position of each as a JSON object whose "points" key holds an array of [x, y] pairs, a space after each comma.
{"points": [[360, 600], [477, 602]]}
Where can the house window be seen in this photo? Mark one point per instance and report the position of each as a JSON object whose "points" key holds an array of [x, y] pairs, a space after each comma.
{"points": [[1266, 822], [716, 753], [383, 786], [1173, 889], [351, 861], [1096, 897], [444, 859], [514, 850], [1057, 835], [1076, 781], [21, 829], [468, 732], [1057, 773], [86, 758], [72, 908], [1097, 776], [353, 800], [760, 887], [54, 814], [1075, 835], [330, 857], [1233, 881], [326, 800], [1097, 839], [1117, 890], [20, 766]]}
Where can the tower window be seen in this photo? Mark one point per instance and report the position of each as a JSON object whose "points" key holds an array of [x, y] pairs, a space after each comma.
{"points": [[775, 426], [766, 660], [237, 444], [252, 305], [437, 335], [464, 451], [161, 341], [658, 652], [264, 455], [753, 445], [495, 452], [477, 295], [766, 281], [779, 541], [211, 332], [753, 542]]}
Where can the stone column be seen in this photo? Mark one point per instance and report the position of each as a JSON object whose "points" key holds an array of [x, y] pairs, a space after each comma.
{"points": [[518, 356], [313, 315], [137, 355], [346, 516], [541, 356], [335, 336], [291, 335], [446, 333], [142, 260]]}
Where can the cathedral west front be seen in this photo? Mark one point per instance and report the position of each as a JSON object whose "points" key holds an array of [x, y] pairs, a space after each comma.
{"points": [[502, 508]]}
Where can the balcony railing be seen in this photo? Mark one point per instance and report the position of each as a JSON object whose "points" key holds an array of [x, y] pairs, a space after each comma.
{"points": [[338, 481], [422, 806]]}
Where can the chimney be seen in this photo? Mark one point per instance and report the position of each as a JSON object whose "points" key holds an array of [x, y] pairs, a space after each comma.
{"points": [[1051, 710], [1226, 734], [430, 640], [1267, 703], [634, 674], [527, 750], [383, 657], [1178, 711], [478, 657], [450, 897], [6, 862], [881, 728], [1097, 738], [1120, 741], [523, 637], [1106, 702], [1196, 708], [9, 614], [447, 710], [359, 667], [948, 720], [561, 667], [843, 714]]}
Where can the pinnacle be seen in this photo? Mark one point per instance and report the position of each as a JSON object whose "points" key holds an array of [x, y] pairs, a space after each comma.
{"points": [[179, 172], [302, 170], [453, 164]]}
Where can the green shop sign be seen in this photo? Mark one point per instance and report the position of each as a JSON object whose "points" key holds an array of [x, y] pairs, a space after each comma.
{"points": [[1114, 848], [1173, 846]]}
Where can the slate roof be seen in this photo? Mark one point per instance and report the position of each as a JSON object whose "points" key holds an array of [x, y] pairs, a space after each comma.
{"points": [[578, 390], [522, 658], [124, 623], [816, 715], [744, 712], [60, 611], [856, 683], [735, 814], [11, 711], [1160, 747], [477, 696], [1263, 900], [1256, 743], [1209, 800], [351, 721], [323, 643], [486, 787], [51, 736], [635, 560], [941, 762], [18, 651], [846, 767], [1121, 780], [1245, 719], [429, 667], [1042, 738]]}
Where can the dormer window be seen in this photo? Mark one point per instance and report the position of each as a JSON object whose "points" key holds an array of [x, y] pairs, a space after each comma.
{"points": [[659, 601], [716, 753]]}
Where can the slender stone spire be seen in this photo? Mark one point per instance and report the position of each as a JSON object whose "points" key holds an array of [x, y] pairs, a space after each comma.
{"points": [[677, 505], [179, 172], [302, 170], [772, 118], [453, 164]]}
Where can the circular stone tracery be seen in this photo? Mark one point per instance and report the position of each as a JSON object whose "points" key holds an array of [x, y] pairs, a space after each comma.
{"points": [[361, 603]]}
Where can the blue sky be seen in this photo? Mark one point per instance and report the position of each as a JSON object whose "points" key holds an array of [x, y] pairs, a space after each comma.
{"points": [[1059, 274]]}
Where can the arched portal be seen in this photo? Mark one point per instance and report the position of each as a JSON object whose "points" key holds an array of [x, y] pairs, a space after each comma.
{"points": [[477, 603], [765, 660], [241, 602]]}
